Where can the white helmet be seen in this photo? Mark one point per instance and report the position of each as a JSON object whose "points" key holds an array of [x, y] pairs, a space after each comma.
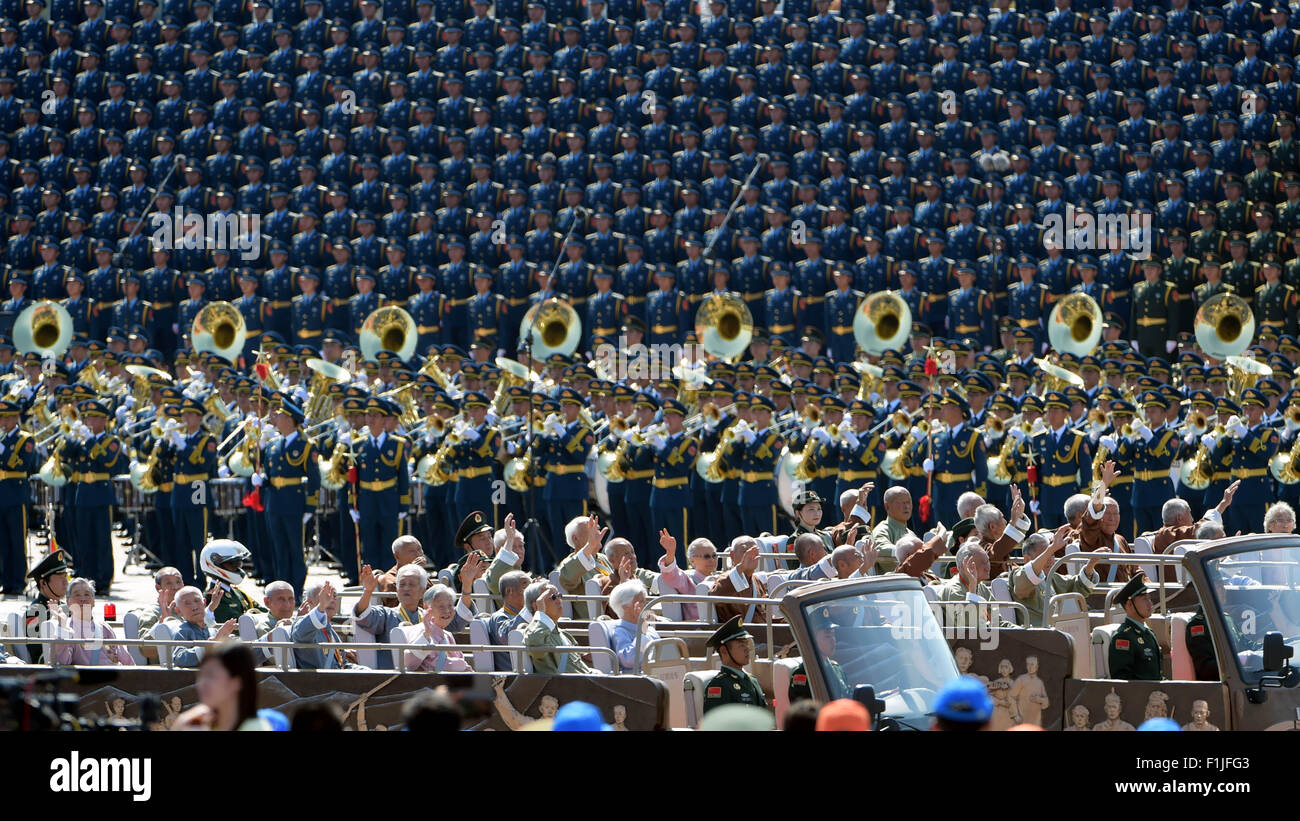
{"points": [[223, 559]]}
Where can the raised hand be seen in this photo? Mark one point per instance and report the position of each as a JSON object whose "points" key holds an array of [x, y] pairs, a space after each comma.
{"points": [[226, 629], [215, 598], [369, 578], [668, 543]]}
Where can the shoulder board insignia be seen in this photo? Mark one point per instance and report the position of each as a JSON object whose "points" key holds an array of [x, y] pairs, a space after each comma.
{"points": [[713, 692], [1121, 644], [113, 445]]}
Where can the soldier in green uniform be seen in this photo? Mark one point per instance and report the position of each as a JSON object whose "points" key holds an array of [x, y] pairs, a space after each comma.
{"points": [[837, 684], [732, 685], [807, 507], [1212, 269], [1153, 308], [1275, 301], [1134, 653], [1199, 644]]}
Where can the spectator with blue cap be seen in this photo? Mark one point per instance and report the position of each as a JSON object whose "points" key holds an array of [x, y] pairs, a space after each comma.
{"points": [[963, 705]]}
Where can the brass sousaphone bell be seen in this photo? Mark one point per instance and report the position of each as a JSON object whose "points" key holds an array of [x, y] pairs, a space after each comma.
{"points": [[724, 326], [882, 323], [389, 329], [44, 328], [1075, 325], [551, 326], [219, 329]]}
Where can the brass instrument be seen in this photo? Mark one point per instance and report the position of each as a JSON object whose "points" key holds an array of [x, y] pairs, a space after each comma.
{"points": [[1225, 326], [1283, 465], [433, 370], [553, 327], [43, 328], [219, 329], [1198, 422], [1097, 420], [999, 466], [512, 374], [1197, 472], [323, 375], [1057, 378], [724, 326], [405, 398], [52, 472], [518, 473], [883, 322], [872, 376], [218, 412], [388, 329], [1075, 325], [1244, 372], [1292, 416]]}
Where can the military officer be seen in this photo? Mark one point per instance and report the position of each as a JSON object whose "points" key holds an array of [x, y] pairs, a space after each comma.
{"points": [[562, 455], [1064, 459], [383, 495], [310, 312], [18, 461], [51, 577], [637, 464], [255, 310], [841, 306], [666, 309], [1276, 302], [860, 452], [1152, 449], [1134, 651], [732, 685], [957, 462], [970, 309], [94, 457], [474, 458], [606, 309], [291, 486], [759, 448], [783, 306], [808, 507], [1255, 444], [193, 451], [485, 310], [1153, 310], [674, 465], [823, 628]]}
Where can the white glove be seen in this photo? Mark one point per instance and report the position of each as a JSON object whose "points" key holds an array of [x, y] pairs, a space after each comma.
{"points": [[1238, 430], [748, 436], [1207, 440], [1108, 442], [176, 328], [710, 424], [1170, 345], [1143, 431], [356, 517], [129, 402], [850, 438], [1189, 439], [1092, 437], [554, 428], [511, 448], [400, 516], [29, 392], [916, 433], [120, 413], [1134, 344], [1019, 434], [821, 435], [223, 472], [491, 416], [268, 436], [300, 395], [176, 439], [658, 442], [1174, 474], [1033, 506], [628, 435], [258, 479], [928, 465], [306, 517], [471, 435], [135, 465]]}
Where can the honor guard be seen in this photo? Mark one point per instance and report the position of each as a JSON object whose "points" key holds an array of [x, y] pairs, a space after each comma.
{"points": [[1255, 443], [1153, 308], [131, 310], [255, 310], [18, 461], [1064, 459], [1134, 651], [783, 306], [474, 457], [1276, 302], [758, 448], [277, 287], [83, 310], [666, 309], [562, 454], [383, 494], [1153, 447], [606, 309], [189, 309], [94, 457], [860, 453], [841, 306], [732, 685], [970, 309], [674, 465], [486, 310], [194, 455], [310, 312], [957, 462], [290, 486], [426, 307]]}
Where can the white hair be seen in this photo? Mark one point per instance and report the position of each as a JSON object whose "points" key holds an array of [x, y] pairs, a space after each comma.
{"points": [[402, 541], [275, 587], [906, 546], [985, 516], [967, 550], [189, 588], [499, 538], [572, 528], [310, 590], [622, 596], [514, 580], [414, 570], [1173, 510], [534, 592], [698, 546], [1075, 505], [967, 502], [848, 497], [81, 581], [164, 572], [1209, 530], [1279, 512], [438, 591]]}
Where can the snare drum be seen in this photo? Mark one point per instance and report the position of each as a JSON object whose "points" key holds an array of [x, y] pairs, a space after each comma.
{"points": [[417, 497], [129, 498], [227, 496], [328, 502]]}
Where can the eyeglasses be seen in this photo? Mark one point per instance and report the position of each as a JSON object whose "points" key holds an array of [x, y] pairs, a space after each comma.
{"points": [[706, 555], [554, 595]]}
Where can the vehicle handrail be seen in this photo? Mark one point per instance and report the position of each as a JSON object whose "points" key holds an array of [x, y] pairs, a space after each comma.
{"points": [[697, 599], [1116, 558]]}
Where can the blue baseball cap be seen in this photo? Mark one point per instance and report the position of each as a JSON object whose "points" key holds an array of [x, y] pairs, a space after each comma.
{"points": [[965, 700]]}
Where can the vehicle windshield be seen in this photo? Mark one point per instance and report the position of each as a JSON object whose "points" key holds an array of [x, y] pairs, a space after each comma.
{"points": [[889, 640], [1259, 593]]}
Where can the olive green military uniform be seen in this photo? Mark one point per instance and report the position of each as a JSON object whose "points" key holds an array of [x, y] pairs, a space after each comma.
{"points": [[836, 682], [1134, 653], [1153, 308], [234, 603], [732, 686], [1201, 647]]}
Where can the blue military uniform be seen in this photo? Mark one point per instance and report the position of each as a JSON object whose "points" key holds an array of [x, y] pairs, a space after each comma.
{"points": [[674, 465], [384, 488], [427, 309], [757, 465], [841, 306], [18, 461], [474, 460], [289, 494], [1064, 466], [195, 461], [1250, 457], [310, 314], [666, 313], [562, 455], [960, 463], [1152, 457], [93, 462], [486, 313]]}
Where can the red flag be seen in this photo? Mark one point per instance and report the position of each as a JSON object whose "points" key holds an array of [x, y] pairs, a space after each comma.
{"points": [[263, 370], [931, 366], [253, 500]]}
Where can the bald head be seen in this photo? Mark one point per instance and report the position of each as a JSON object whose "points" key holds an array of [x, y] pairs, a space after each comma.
{"points": [[846, 560], [898, 503], [809, 549]]}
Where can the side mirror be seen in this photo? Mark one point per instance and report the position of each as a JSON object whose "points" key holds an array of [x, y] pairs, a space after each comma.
{"points": [[865, 695], [1276, 652]]}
